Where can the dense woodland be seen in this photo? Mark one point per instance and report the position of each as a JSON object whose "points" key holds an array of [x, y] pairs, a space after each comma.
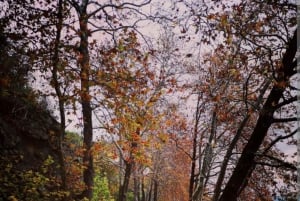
{"points": [[175, 100]]}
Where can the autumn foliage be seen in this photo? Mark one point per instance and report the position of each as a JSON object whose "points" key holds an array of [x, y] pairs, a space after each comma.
{"points": [[172, 100]]}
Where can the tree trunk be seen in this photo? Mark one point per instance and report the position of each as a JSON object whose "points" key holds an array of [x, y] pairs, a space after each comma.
{"points": [[143, 190], [233, 143], [221, 176], [198, 194], [150, 191], [193, 167], [246, 164], [194, 153], [123, 190], [61, 102], [155, 191], [129, 165], [137, 185], [124, 187], [84, 62]]}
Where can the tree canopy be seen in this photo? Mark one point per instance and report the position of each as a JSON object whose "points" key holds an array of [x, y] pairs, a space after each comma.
{"points": [[172, 100]]}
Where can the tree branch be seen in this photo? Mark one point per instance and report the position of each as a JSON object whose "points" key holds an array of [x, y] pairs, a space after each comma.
{"points": [[121, 6], [284, 120], [286, 102], [278, 139], [246, 162], [280, 163]]}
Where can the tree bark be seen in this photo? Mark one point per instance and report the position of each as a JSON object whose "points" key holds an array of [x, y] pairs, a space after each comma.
{"points": [[124, 188], [194, 152], [137, 185], [61, 101], [150, 190], [128, 169], [198, 194], [155, 191], [221, 176], [84, 63], [143, 190], [135, 189], [129, 164], [246, 164]]}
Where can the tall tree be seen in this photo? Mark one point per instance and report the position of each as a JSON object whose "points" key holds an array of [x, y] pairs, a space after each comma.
{"points": [[59, 93], [254, 42], [279, 16], [102, 17], [131, 90], [85, 70], [246, 163]]}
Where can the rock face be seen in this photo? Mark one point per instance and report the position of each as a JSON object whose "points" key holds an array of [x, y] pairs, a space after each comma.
{"points": [[26, 130], [28, 156]]}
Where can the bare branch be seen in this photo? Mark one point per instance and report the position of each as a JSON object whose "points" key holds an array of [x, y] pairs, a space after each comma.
{"points": [[121, 6], [284, 120], [278, 162], [278, 139], [286, 102]]}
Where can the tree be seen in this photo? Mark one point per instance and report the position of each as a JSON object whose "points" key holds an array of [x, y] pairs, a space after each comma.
{"points": [[101, 189], [245, 55], [131, 91], [284, 72], [246, 163], [59, 93], [235, 61], [87, 23], [248, 41]]}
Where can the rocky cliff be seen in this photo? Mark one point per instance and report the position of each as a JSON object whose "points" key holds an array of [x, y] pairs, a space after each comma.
{"points": [[26, 129], [27, 148]]}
